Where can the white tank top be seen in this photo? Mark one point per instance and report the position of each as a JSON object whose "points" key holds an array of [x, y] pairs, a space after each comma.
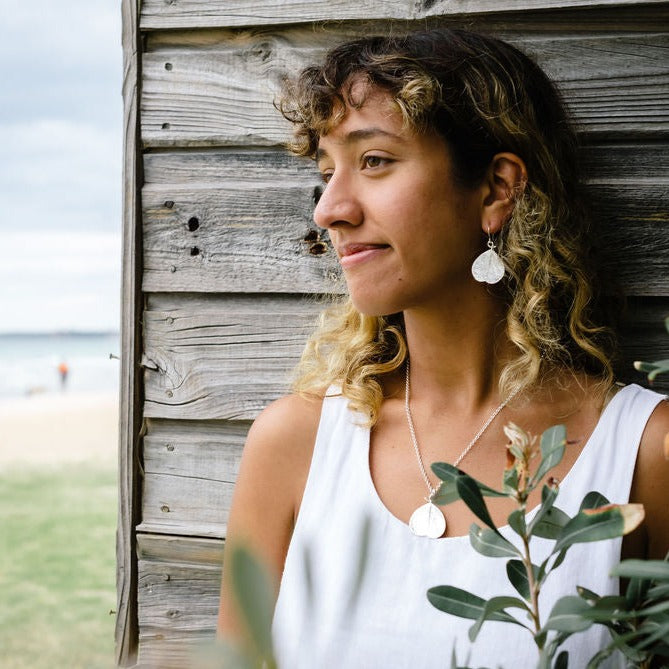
{"points": [[329, 615]]}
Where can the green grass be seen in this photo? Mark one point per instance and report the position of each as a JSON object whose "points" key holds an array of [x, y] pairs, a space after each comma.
{"points": [[57, 567]]}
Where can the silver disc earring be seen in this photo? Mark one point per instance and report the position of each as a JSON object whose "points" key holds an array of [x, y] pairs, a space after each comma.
{"points": [[488, 267]]}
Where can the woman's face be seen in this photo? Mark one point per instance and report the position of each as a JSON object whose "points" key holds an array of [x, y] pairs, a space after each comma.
{"points": [[404, 233]]}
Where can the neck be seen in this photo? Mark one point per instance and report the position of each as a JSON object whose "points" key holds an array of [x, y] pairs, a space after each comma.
{"points": [[457, 353]]}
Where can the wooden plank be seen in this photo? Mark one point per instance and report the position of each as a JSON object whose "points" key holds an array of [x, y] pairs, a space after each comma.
{"points": [[212, 370], [222, 95], [601, 162], [221, 358], [189, 479], [236, 237], [158, 14], [179, 583], [126, 631]]}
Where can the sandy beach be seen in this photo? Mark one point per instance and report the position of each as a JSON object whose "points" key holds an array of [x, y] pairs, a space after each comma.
{"points": [[56, 428]]}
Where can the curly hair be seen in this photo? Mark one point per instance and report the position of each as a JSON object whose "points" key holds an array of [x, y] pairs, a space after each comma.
{"points": [[483, 96]]}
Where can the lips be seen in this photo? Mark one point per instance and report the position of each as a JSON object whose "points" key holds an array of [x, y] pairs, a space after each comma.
{"points": [[353, 254], [353, 249]]}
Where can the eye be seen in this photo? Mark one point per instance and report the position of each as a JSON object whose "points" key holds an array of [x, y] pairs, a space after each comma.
{"points": [[326, 176], [373, 161]]}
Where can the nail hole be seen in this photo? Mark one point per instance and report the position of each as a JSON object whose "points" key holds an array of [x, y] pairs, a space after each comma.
{"points": [[318, 249], [193, 224], [311, 236], [165, 126], [169, 447], [164, 508], [168, 66], [169, 203], [195, 251]]}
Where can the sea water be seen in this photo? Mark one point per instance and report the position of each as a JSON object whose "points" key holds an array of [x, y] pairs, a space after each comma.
{"points": [[29, 363]]}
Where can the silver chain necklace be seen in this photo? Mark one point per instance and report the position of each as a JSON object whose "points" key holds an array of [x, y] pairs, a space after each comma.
{"points": [[428, 519]]}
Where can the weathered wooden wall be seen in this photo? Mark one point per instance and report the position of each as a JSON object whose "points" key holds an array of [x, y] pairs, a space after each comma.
{"points": [[221, 251]]}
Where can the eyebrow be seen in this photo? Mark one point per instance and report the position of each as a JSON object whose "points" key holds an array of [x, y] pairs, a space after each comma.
{"points": [[357, 136]]}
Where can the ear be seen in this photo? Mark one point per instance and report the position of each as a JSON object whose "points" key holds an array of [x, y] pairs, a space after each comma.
{"points": [[506, 179]]}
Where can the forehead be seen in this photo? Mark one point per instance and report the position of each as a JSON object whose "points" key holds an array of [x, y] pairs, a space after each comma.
{"points": [[369, 111]]}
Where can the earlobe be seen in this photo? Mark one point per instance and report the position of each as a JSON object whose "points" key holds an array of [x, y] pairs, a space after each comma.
{"points": [[506, 180]]}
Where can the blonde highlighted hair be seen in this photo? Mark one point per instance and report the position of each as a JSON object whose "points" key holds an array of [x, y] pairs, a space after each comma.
{"points": [[483, 96]]}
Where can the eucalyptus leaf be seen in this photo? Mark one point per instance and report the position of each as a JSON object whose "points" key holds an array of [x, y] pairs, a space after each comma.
{"points": [[567, 615], [255, 597], [517, 522], [517, 575], [463, 604], [472, 497], [550, 524], [562, 660], [593, 500], [586, 594], [548, 496], [491, 543], [553, 442], [449, 474], [591, 525], [652, 569], [447, 493], [494, 605]]}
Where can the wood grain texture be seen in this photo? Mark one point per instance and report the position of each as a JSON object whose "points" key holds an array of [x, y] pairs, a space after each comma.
{"points": [[212, 358], [189, 478], [130, 387], [158, 14], [256, 235], [229, 356], [616, 85], [179, 584]]}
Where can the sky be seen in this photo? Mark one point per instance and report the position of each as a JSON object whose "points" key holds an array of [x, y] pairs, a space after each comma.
{"points": [[61, 115]]}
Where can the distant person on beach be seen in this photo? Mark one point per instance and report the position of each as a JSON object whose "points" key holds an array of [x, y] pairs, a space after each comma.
{"points": [[63, 370]]}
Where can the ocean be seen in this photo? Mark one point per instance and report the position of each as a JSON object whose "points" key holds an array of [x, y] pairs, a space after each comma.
{"points": [[29, 363]]}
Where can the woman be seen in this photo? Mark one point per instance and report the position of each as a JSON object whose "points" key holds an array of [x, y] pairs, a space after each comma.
{"points": [[436, 148]]}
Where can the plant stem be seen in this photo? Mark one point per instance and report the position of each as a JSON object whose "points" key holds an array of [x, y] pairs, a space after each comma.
{"points": [[534, 590]]}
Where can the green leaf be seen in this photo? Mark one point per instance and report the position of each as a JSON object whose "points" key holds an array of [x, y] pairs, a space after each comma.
{"points": [[449, 474], [652, 569], [447, 493], [550, 524], [562, 660], [255, 597], [517, 522], [517, 575], [567, 615], [586, 594], [463, 604], [491, 543], [494, 605], [472, 497], [553, 442], [510, 481], [593, 500], [591, 525], [606, 609], [548, 496]]}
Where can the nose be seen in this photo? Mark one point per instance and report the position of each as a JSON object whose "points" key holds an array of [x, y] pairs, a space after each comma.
{"points": [[338, 204]]}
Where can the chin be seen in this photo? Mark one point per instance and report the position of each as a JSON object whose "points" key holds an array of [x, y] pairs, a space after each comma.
{"points": [[371, 305]]}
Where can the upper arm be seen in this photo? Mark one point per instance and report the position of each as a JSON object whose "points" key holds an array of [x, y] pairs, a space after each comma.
{"points": [[650, 486], [272, 475]]}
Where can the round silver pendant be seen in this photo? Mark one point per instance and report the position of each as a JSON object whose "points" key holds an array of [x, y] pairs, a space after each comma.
{"points": [[488, 267], [428, 521]]}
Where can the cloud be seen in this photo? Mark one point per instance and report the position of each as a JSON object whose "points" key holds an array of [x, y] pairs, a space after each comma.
{"points": [[60, 280], [60, 174]]}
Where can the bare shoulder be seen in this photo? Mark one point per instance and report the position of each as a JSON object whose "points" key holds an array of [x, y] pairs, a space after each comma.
{"points": [[279, 447], [651, 479], [272, 476]]}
